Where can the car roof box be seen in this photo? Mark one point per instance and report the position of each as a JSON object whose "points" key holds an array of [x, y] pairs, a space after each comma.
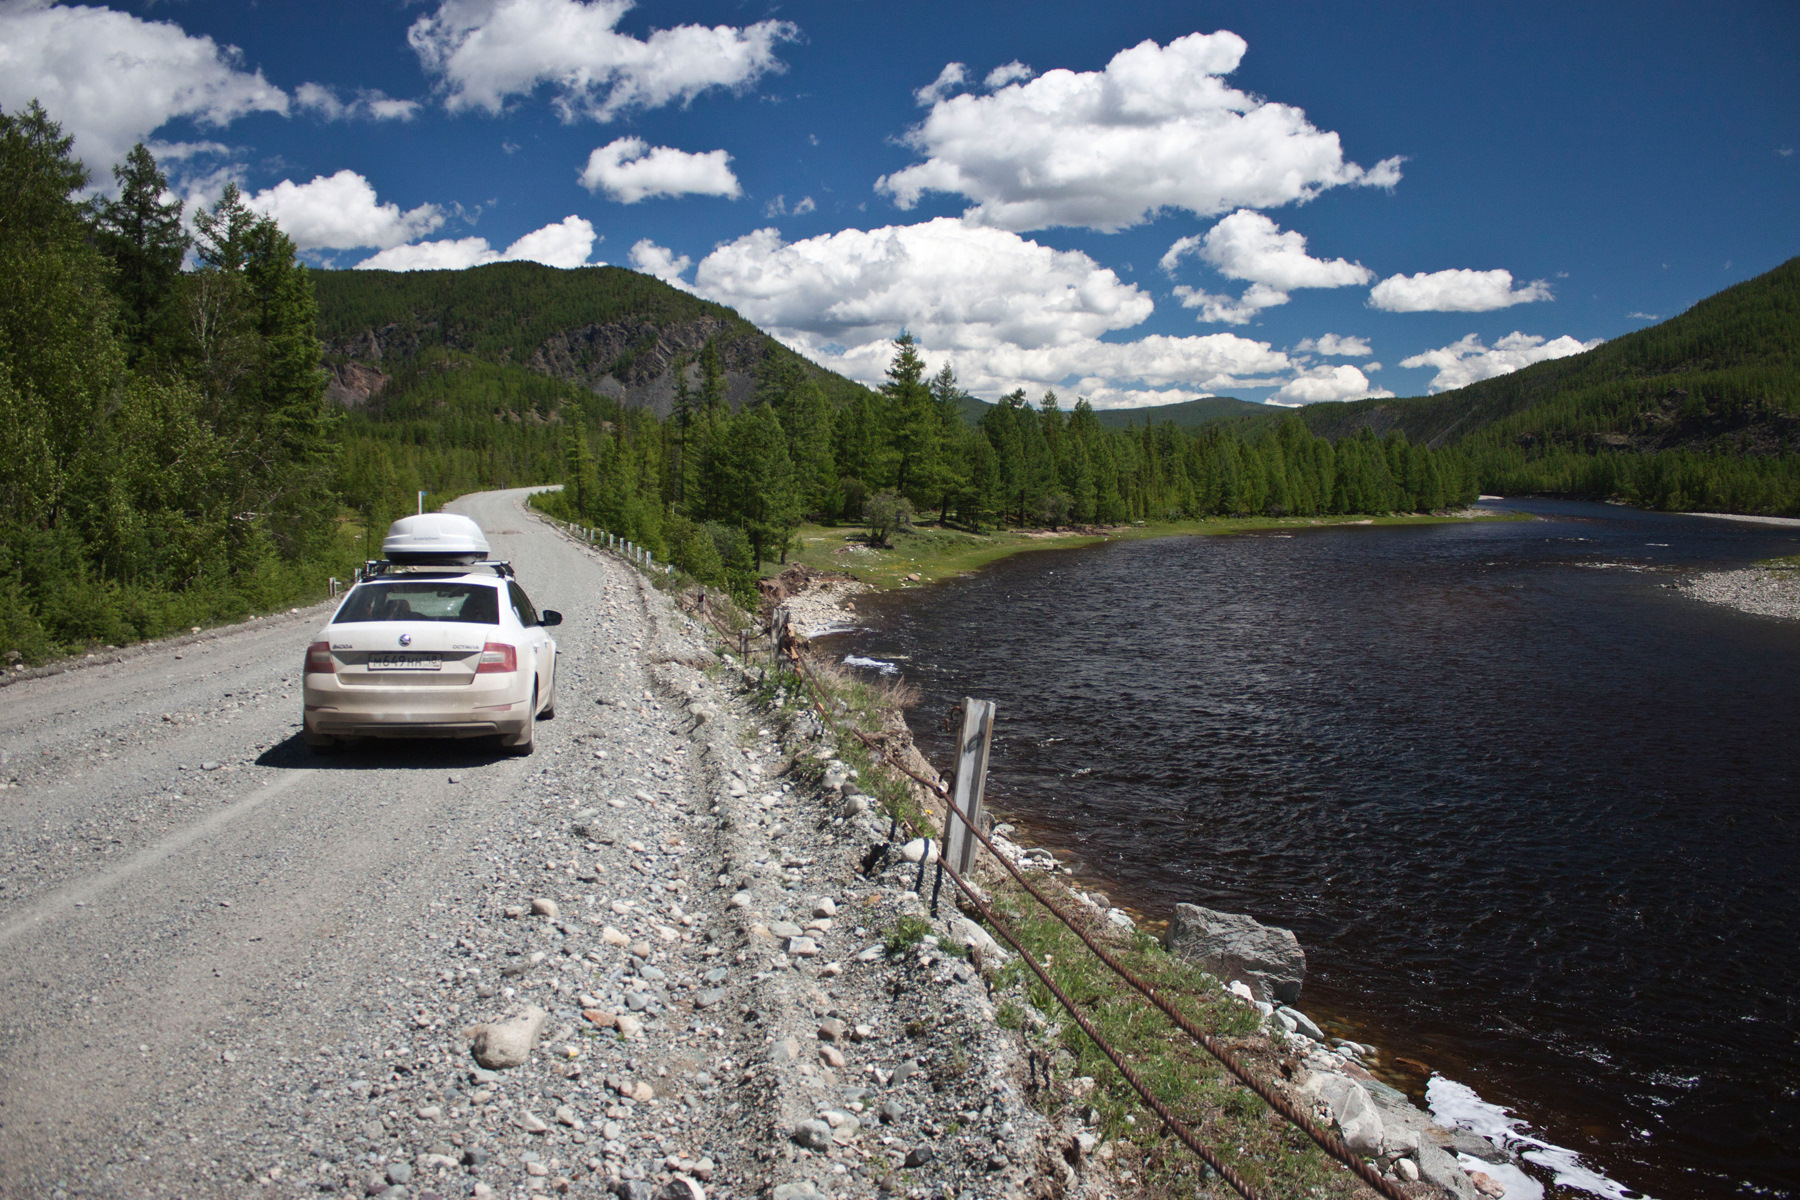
{"points": [[435, 539]]}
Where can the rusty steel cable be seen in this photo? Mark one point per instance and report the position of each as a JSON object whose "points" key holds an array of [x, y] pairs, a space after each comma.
{"points": [[1175, 1126], [1322, 1137]]}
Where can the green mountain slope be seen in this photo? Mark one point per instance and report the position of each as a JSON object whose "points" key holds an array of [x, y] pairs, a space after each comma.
{"points": [[1723, 376], [1699, 412], [612, 331]]}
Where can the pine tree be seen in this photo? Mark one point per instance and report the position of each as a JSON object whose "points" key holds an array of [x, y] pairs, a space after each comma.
{"points": [[142, 235]]}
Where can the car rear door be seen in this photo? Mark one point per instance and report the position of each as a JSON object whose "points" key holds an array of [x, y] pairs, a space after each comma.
{"points": [[535, 639]]}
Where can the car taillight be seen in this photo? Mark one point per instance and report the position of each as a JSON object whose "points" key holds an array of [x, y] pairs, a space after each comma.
{"points": [[319, 660], [497, 657]]}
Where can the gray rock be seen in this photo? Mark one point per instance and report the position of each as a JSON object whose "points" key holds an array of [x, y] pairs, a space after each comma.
{"points": [[918, 1156], [1302, 1023], [1440, 1169], [474, 1156], [399, 1173], [508, 1044], [785, 929], [803, 1189], [679, 1188], [814, 1135], [1357, 1118], [633, 1189], [709, 998], [1234, 946], [891, 1112], [545, 907], [636, 1001]]}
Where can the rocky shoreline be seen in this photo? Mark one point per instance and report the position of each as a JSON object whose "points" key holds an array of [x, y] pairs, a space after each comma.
{"points": [[1760, 591], [1261, 966]]}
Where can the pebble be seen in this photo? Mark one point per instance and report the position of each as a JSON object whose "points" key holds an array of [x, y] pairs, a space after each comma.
{"points": [[544, 907], [918, 1156], [814, 1135]]}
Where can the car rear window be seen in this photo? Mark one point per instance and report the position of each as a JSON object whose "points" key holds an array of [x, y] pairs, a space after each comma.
{"points": [[472, 603]]}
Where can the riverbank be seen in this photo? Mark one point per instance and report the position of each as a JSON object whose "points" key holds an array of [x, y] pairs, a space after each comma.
{"points": [[924, 553], [1769, 589]]}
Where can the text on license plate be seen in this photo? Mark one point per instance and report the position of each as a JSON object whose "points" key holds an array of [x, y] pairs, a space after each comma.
{"points": [[404, 662]]}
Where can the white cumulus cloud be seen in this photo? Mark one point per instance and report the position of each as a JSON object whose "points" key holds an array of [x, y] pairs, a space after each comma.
{"points": [[1460, 290], [1328, 383], [660, 261], [1158, 128], [369, 104], [484, 51], [954, 76], [1467, 361], [567, 243], [1247, 245], [1225, 310], [113, 79], [1007, 311], [1012, 72], [340, 212], [628, 170], [1332, 345]]}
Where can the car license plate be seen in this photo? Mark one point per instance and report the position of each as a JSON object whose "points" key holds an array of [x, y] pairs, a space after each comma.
{"points": [[404, 662]]}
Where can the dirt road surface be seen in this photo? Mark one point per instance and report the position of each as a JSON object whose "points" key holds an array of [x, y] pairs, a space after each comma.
{"points": [[229, 967]]}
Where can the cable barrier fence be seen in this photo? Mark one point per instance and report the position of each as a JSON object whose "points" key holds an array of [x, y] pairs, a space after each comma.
{"points": [[786, 651]]}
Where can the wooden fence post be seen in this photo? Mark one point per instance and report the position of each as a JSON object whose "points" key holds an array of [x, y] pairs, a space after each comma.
{"points": [[971, 783]]}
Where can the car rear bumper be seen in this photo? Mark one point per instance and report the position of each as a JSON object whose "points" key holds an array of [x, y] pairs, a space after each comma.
{"points": [[332, 710]]}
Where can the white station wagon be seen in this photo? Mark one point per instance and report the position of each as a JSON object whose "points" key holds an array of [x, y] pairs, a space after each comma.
{"points": [[433, 641]]}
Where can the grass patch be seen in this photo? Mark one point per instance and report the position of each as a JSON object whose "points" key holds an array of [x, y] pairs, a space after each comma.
{"points": [[907, 932], [1271, 1153], [934, 552]]}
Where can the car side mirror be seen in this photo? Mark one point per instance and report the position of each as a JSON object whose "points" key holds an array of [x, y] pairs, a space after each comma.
{"points": [[549, 617]]}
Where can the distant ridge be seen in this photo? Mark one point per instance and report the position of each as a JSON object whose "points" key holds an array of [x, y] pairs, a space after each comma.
{"points": [[1724, 376], [1189, 414], [615, 332]]}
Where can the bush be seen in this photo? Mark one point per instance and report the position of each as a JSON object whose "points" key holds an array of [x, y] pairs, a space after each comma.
{"points": [[885, 512]]}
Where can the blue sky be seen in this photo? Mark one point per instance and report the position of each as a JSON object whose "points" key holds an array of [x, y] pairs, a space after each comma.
{"points": [[1132, 202]]}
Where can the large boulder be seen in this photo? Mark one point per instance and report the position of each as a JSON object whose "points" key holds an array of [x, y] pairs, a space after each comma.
{"points": [[1234, 946], [1357, 1118]]}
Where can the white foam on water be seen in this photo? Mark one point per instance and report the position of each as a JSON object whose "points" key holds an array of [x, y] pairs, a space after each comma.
{"points": [[1458, 1106], [1518, 1185], [874, 664]]}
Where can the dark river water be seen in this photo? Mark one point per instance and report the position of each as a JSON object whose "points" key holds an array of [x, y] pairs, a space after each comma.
{"points": [[1534, 816]]}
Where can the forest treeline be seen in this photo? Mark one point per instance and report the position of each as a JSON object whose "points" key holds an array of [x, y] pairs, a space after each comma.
{"points": [[1700, 412], [166, 453], [719, 492]]}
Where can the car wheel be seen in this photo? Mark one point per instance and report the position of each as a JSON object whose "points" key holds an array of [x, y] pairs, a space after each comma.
{"points": [[521, 744], [549, 712]]}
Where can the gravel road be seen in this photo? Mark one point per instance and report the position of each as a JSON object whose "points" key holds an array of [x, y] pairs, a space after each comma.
{"points": [[230, 968]]}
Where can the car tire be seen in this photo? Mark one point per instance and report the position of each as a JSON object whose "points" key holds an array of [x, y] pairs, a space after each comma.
{"points": [[549, 713], [322, 743], [521, 744]]}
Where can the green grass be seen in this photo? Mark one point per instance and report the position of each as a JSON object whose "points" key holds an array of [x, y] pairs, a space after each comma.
{"points": [[1226, 1116], [933, 552]]}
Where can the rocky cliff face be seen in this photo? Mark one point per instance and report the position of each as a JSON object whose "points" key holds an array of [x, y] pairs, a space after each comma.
{"points": [[631, 361], [352, 384]]}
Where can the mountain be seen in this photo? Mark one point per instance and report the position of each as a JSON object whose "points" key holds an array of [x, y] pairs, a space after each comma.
{"points": [[1721, 378], [612, 331], [1189, 414]]}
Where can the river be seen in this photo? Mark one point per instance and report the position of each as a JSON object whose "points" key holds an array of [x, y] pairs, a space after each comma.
{"points": [[1533, 814]]}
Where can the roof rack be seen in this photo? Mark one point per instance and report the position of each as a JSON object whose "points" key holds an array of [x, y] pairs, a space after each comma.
{"points": [[382, 566]]}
